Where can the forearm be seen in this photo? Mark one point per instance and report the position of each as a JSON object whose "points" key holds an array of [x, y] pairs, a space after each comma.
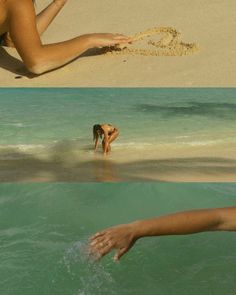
{"points": [[39, 58], [46, 16], [188, 222], [96, 144], [122, 237], [52, 56]]}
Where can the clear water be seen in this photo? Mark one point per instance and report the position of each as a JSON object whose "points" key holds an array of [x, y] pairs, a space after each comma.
{"points": [[44, 230]]}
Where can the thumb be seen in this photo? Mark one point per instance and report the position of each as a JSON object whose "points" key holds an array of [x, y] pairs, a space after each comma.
{"points": [[120, 253]]}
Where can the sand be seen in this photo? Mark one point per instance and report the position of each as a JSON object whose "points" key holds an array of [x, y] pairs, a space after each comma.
{"points": [[207, 24], [168, 45], [166, 163]]}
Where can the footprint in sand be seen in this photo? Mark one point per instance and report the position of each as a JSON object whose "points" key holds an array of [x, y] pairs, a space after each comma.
{"points": [[169, 44]]}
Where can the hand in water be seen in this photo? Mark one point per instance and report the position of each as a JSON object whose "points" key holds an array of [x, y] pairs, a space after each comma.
{"points": [[120, 237], [106, 39]]}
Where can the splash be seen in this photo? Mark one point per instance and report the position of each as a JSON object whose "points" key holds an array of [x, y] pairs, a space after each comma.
{"points": [[92, 276]]}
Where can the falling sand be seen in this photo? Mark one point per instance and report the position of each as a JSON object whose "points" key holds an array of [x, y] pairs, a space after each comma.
{"points": [[169, 44]]}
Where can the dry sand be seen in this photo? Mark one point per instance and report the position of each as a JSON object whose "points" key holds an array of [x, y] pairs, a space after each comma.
{"points": [[166, 163], [208, 23]]}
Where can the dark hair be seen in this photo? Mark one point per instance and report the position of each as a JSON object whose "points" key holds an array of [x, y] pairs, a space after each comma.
{"points": [[96, 128]]}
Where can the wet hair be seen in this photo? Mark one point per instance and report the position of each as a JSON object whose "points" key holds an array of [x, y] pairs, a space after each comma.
{"points": [[96, 128]]}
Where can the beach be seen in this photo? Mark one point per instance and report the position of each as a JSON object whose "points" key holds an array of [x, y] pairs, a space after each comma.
{"points": [[166, 163], [165, 135], [208, 24]]}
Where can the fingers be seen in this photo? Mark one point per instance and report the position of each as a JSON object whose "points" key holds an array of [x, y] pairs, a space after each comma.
{"points": [[100, 247], [98, 234], [122, 38], [120, 253]]}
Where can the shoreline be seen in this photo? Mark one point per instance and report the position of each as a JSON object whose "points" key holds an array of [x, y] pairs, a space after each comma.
{"points": [[172, 164]]}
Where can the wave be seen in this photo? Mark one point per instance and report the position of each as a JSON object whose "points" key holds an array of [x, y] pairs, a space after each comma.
{"points": [[87, 146]]}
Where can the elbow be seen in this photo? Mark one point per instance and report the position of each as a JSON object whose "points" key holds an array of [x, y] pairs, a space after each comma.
{"points": [[37, 68], [37, 65]]}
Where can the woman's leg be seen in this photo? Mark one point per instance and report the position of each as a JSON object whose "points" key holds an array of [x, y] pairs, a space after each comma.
{"points": [[108, 147], [113, 136]]}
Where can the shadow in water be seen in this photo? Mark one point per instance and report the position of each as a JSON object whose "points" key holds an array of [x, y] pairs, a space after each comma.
{"points": [[219, 110]]}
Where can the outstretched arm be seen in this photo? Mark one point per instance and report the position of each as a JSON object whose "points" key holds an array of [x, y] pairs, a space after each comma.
{"points": [[39, 58], [123, 237]]}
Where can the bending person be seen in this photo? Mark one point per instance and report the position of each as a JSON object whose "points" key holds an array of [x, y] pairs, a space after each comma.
{"points": [[21, 28], [107, 133], [123, 237]]}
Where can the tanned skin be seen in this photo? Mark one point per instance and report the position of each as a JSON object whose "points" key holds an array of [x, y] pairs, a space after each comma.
{"points": [[123, 237], [22, 29]]}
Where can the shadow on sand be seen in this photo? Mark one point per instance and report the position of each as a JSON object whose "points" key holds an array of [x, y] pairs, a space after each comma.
{"points": [[15, 66], [21, 167]]}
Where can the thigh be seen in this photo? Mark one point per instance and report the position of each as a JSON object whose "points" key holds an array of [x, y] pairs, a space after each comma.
{"points": [[113, 136]]}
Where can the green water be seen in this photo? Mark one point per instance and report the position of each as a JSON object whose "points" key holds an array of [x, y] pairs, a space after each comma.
{"points": [[44, 229], [48, 132], [31, 117]]}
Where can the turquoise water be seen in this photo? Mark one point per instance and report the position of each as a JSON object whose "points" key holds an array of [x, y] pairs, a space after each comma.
{"points": [[44, 230], [46, 134], [41, 117]]}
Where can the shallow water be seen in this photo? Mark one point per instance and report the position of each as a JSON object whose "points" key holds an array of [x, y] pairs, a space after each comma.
{"points": [[31, 117], [44, 230], [48, 132]]}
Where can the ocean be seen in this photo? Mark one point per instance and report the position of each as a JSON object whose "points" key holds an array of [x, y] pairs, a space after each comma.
{"points": [[52, 126], [44, 232]]}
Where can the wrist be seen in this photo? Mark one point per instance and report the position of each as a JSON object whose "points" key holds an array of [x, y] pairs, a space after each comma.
{"points": [[88, 40], [136, 229]]}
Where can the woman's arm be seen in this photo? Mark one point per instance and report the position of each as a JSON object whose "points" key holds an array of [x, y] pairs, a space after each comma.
{"points": [[46, 16], [43, 19], [39, 58], [123, 237], [96, 142]]}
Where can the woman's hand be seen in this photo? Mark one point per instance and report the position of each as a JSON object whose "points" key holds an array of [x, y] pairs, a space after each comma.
{"points": [[100, 40], [121, 238]]}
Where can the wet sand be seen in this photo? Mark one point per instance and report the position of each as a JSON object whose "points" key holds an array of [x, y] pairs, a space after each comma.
{"points": [[167, 163]]}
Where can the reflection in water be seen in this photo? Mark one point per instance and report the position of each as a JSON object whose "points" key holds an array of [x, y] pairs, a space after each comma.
{"points": [[104, 170]]}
